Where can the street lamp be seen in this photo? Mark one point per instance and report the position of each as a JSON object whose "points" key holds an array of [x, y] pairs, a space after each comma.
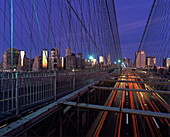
{"points": [[119, 60], [91, 57]]}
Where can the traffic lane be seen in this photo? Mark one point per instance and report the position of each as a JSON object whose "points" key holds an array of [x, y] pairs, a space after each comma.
{"points": [[156, 125], [139, 119], [157, 105], [108, 128], [103, 115]]}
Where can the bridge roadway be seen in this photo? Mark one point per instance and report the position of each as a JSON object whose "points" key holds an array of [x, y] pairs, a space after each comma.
{"points": [[103, 123], [121, 124]]}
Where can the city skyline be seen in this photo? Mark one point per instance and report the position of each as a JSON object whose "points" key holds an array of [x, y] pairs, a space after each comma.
{"points": [[131, 18], [126, 29]]}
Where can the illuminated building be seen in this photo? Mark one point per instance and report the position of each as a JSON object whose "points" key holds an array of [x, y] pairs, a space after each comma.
{"points": [[151, 62], [21, 61], [44, 58], [94, 62], [166, 62], [140, 59], [62, 62], [86, 63], [101, 59], [126, 62], [22, 55]]}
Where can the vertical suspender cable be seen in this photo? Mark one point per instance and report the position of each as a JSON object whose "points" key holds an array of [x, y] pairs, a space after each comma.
{"points": [[3, 34], [12, 29]]}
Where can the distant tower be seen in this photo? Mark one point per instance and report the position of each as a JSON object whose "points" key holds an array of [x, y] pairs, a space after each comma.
{"points": [[126, 61], [5, 61], [21, 62], [79, 55], [36, 64], [79, 61], [140, 59], [68, 52], [62, 62], [151, 62], [57, 57], [52, 59], [52, 53], [16, 54], [108, 60], [101, 61], [44, 57], [57, 52], [166, 62]]}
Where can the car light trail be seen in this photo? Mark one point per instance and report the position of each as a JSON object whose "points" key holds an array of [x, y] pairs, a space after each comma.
{"points": [[132, 107], [157, 131], [105, 114]]}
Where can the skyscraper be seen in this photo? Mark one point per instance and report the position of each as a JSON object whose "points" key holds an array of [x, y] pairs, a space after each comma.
{"points": [[37, 64], [5, 61], [21, 60], [57, 52], [101, 61], [108, 60], [44, 58], [68, 52], [57, 57], [62, 62], [52, 53], [140, 59], [16, 54], [126, 62], [52, 59], [79, 60], [166, 62], [79, 55], [151, 62]]}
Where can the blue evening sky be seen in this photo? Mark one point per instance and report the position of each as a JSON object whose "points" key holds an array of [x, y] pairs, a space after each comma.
{"points": [[132, 16]]}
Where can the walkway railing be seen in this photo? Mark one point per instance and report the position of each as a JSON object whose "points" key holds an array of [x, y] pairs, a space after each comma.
{"points": [[20, 91]]}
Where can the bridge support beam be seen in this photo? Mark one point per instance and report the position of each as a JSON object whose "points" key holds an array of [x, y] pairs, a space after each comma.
{"points": [[134, 90], [119, 110], [141, 82]]}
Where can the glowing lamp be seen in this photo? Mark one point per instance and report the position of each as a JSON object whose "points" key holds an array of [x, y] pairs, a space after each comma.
{"points": [[90, 57]]}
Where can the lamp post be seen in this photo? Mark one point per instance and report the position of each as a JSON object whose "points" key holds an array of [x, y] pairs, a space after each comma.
{"points": [[91, 58], [119, 63]]}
